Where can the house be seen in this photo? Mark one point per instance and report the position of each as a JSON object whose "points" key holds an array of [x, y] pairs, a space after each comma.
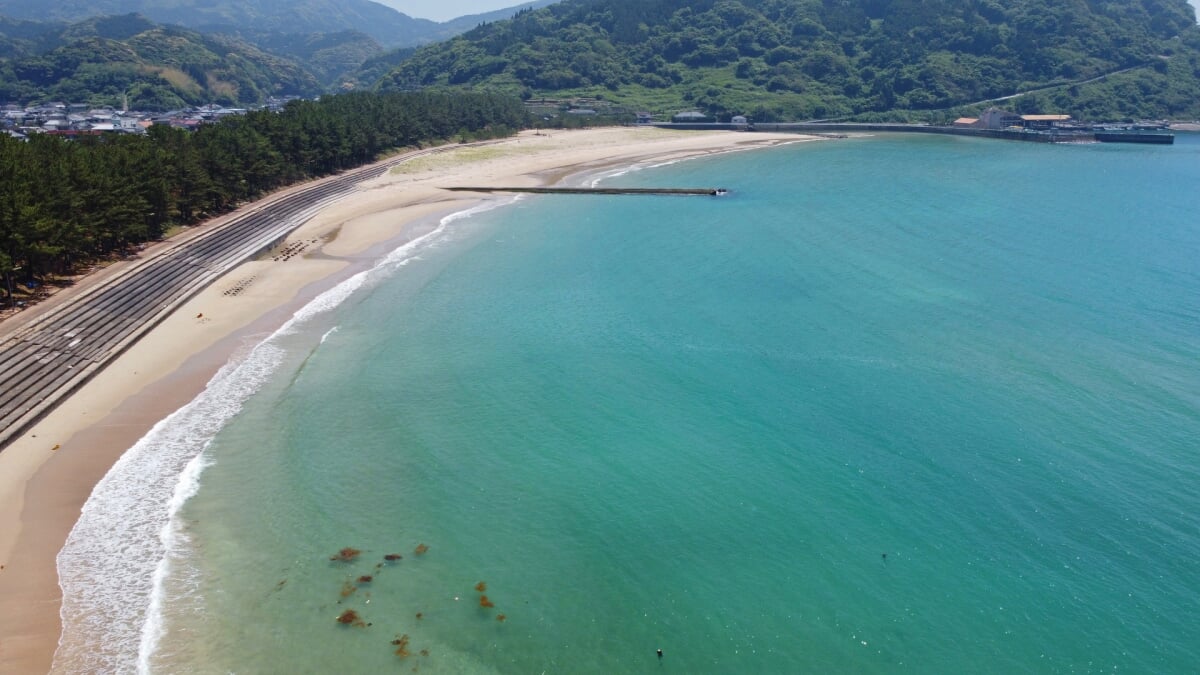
{"points": [[1043, 122], [690, 116], [995, 118], [966, 122], [130, 124], [644, 118]]}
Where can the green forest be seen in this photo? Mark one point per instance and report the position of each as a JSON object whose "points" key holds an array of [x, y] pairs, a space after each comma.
{"points": [[108, 60], [774, 60], [819, 59], [63, 203], [385, 25]]}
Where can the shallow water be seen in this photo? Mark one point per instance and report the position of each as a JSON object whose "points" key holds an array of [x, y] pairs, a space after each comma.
{"points": [[699, 424]]}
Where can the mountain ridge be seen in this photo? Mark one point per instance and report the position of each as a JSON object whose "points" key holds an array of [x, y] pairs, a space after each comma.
{"points": [[803, 59], [108, 60], [386, 25], [310, 39]]}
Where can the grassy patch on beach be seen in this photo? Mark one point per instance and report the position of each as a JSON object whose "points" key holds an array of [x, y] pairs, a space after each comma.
{"points": [[462, 156]]}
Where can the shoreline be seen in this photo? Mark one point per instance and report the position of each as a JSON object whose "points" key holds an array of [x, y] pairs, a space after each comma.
{"points": [[48, 473]]}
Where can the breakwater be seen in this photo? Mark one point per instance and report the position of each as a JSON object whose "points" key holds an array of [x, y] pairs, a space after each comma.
{"points": [[1134, 137], [710, 192]]}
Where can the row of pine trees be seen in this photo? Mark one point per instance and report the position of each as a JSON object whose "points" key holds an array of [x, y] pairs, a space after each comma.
{"points": [[67, 202]]}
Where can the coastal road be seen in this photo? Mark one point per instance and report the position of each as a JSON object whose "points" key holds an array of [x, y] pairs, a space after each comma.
{"points": [[48, 359]]}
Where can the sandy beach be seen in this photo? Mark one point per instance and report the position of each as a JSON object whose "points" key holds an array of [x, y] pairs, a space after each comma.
{"points": [[47, 474]]}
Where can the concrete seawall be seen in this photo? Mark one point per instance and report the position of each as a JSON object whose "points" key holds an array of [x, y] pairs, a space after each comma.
{"points": [[1003, 134]]}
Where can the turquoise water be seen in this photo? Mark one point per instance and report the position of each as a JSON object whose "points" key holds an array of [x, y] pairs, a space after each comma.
{"points": [[698, 425]]}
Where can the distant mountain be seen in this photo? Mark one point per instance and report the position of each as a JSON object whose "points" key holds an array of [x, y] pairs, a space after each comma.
{"points": [[300, 40], [388, 27], [384, 24], [22, 38], [101, 61], [374, 68], [333, 58], [802, 59], [462, 24]]}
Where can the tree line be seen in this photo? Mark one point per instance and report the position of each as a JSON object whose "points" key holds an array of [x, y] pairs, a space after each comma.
{"points": [[63, 203]]}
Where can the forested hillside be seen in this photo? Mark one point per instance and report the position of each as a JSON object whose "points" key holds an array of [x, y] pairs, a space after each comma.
{"points": [[333, 58], [387, 26], [462, 24], [384, 24], [802, 59], [102, 60], [23, 38], [62, 202], [286, 45]]}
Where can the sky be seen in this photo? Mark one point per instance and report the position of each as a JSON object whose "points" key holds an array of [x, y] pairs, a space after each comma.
{"points": [[443, 10]]}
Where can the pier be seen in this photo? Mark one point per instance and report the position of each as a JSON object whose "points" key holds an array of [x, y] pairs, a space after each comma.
{"points": [[708, 192]]}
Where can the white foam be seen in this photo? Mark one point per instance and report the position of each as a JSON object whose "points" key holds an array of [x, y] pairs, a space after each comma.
{"points": [[599, 178], [129, 539], [174, 540], [109, 566], [595, 180]]}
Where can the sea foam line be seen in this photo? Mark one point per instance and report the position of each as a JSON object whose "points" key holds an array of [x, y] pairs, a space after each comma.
{"points": [[595, 180], [114, 567]]}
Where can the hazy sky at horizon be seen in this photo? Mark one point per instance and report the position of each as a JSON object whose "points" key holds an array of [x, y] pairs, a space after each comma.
{"points": [[444, 10]]}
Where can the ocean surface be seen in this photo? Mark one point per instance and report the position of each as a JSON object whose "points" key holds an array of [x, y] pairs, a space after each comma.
{"points": [[895, 404]]}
